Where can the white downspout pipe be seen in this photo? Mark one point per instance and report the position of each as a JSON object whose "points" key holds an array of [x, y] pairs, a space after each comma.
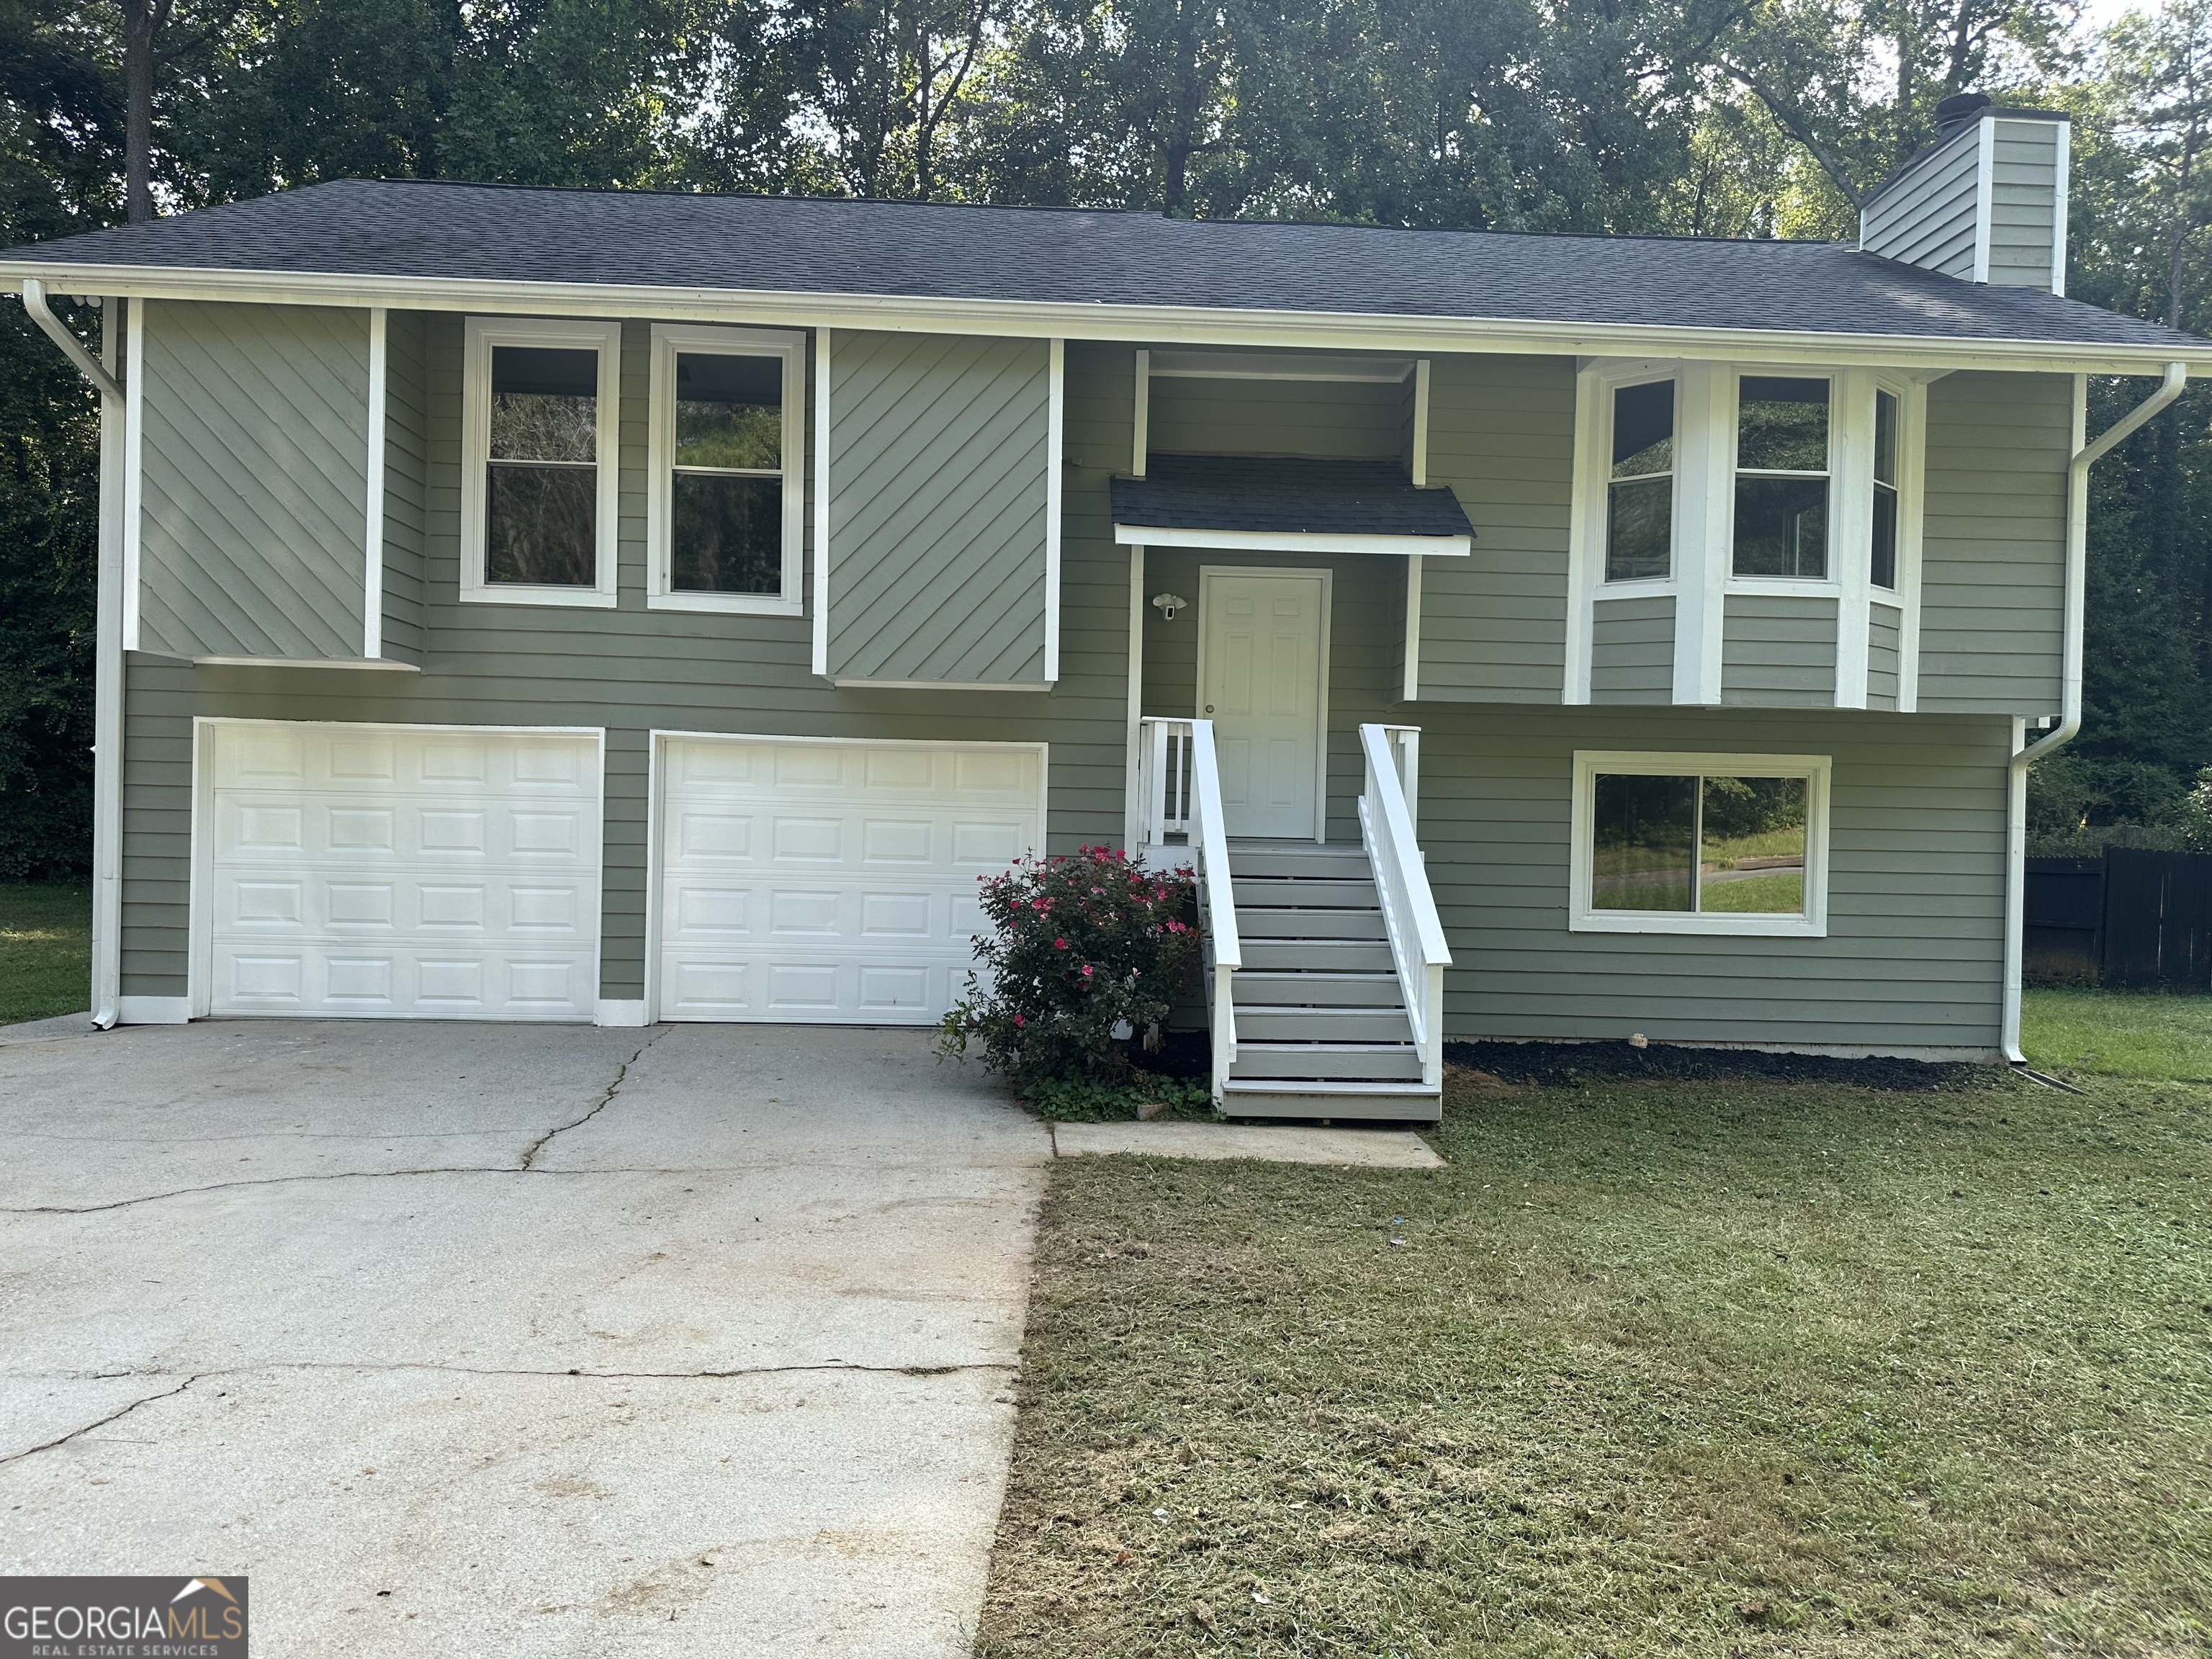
{"points": [[2086, 455], [107, 652]]}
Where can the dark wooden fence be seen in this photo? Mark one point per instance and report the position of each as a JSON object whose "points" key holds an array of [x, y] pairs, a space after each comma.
{"points": [[2133, 919]]}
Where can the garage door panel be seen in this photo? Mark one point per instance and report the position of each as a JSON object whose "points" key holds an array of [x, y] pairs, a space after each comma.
{"points": [[401, 872], [820, 881]]}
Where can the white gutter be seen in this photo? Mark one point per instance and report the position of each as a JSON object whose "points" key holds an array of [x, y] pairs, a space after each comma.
{"points": [[2086, 455], [107, 654], [1212, 325]]}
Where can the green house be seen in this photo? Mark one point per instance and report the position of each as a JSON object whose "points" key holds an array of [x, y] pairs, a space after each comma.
{"points": [[531, 604]]}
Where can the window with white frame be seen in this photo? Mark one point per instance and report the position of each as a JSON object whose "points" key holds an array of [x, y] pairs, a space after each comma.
{"points": [[1782, 466], [725, 523], [1698, 843], [1639, 503], [537, 482]]}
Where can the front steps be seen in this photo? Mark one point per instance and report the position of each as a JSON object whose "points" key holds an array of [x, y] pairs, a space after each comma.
{"points": [[1321, 1029]]}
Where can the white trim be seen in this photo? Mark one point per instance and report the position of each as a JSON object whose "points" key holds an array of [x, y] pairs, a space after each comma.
{"points": [[1279, 365], [1327, 577], [152, 1010], [820, 471], [200, 927], [1814, 768], [2062, 160], [787, 348], [1852, 416], [657, 742], [1985, 185], [134, 466], [1585, 532], [1141, 436], [1132, 802], [373, 664], [372, 613], [1420, 466], [1412, 686], [1911, 502], [1034, 319], [1704, 515], [108, 681], [481, 334], [622, 1012], [1289, 541], [1054, 444], [847, 683]]}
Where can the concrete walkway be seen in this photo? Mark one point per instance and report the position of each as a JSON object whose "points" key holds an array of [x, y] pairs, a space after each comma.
{"points": [[521, 1340]]}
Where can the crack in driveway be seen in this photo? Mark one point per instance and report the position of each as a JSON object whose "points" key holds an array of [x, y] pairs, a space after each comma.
{"points": [[530, 1154], [102, 1422]]}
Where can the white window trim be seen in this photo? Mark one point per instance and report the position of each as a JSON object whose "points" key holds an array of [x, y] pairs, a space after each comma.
{"points": [[480, 335], [660, 451], [1814, 768], [1703, 575]]}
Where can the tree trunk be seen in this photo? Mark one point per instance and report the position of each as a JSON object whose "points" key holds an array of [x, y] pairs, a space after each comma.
{"points": [[1175, 184], [139, 23]]}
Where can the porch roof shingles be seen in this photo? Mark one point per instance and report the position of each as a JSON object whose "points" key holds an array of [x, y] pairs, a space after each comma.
{"points": [[1080, 256], [1241, 493]]}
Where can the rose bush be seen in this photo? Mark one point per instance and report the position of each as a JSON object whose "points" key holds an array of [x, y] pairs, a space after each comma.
{"points": [[1081, 946]]}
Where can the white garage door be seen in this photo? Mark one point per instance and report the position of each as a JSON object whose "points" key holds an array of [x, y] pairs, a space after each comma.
{"points": [[400, 872], [832, 881]]}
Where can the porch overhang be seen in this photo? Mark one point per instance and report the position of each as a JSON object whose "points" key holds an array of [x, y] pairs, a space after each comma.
{"points": [[1265, 504]]}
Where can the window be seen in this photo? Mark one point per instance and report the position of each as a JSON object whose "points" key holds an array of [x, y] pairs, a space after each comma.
{"points": [[1639, 508], [725, 518], [1884, 563], [1781, 477], [1700, 843], [538, 485]]}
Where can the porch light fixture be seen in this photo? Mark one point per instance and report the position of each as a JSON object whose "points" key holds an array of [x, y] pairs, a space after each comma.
{"points": [[1168, 604]]}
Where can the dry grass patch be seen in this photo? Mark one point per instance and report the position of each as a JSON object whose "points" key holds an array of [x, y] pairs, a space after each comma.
{"points": [[1656, 1367]]}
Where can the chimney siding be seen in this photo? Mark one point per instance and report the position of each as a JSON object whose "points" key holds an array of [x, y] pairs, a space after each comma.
{"points": [[1986, 202]]}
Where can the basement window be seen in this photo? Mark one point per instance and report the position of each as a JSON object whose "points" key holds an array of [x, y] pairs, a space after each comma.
{"points": [[537, 482], [724, 518], [1700, 843]]}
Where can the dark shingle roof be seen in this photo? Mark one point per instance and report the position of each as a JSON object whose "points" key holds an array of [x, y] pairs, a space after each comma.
{"points": [[1236, 492], [367, 228]]}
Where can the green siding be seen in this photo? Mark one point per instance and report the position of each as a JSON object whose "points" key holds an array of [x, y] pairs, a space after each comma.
{"points": [[1779, 651], [938, 471], [1632, 650], [1367, 631], [406, 476], [1928, 218], [1885, 632], [1321, 420], [1501, 435], [255, 477], [632, 670], [1916, 932], [1993, 557], [2023, 203]]}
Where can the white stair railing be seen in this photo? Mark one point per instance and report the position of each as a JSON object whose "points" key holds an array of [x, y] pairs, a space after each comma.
{"points": [[1401, 878], [1163, 749], [1209, 841]]}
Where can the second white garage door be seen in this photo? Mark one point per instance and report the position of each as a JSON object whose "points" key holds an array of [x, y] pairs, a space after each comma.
{"points": [[832, 881]]}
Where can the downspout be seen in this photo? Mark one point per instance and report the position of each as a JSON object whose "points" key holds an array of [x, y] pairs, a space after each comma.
{"points": [[107, 654], [2086, 455]]}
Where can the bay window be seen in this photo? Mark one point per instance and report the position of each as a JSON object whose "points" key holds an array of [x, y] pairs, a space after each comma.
{"points": [[1639, 510], [1781, 526]]}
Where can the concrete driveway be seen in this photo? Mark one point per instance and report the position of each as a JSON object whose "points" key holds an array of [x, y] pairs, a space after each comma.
{"points": [[526, 1340]]}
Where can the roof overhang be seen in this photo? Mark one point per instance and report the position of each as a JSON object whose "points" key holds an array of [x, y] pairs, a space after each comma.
{"points": [[1138, 324], [1289, 541]]}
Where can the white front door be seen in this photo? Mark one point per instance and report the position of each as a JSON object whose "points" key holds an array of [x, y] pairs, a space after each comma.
{"points": [[1263, 640], [833, 881], [397, 872]]}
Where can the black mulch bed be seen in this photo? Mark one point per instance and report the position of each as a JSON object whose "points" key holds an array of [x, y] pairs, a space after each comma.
{"points": [[1565, 1064]]}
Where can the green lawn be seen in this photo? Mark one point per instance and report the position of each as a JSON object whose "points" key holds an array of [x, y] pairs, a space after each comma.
{"points": [[2119, 1034], [45, 951], [1653, 1369]]}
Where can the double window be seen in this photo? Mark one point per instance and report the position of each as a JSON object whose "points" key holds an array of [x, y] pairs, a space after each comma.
{"points": [[1781, 523], [537, 480], [1700, 843], [724, 517]]}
